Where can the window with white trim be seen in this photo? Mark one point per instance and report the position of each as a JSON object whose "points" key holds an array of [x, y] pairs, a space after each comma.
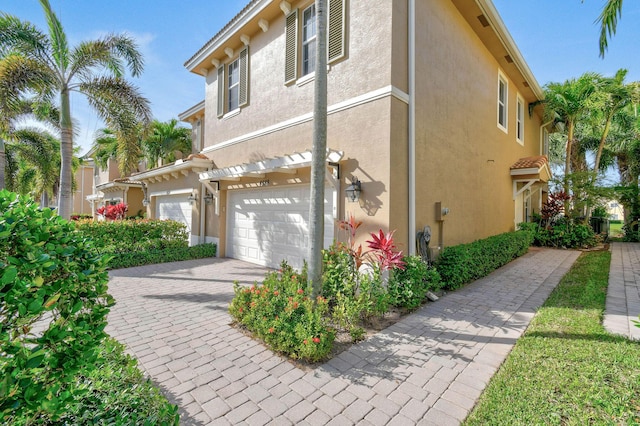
{"points": [[520, 120], [233, 84], [301, 41], [503, 96], [545, 142], [309, 40]]}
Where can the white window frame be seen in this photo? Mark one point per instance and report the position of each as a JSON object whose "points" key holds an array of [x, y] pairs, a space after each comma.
{"points": [[504, 103], [232, 67], [544, 142], [520, 119], [311, 41]]}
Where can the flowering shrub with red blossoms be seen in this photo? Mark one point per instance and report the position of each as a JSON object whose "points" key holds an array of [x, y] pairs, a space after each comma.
{"points": [[281, 312]]}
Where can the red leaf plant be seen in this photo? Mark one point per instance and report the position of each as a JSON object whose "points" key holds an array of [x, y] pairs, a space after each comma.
{"points": [[116, 212], [384, 251]]}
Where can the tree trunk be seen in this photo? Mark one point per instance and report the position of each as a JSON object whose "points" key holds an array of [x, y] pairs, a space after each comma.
{"points": [[567, 165], [65, 192], [319, 152], [3, 163]]}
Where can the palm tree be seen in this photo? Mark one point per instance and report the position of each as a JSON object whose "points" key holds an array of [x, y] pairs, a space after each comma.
{"points": [[164, 140], [319, 150], [565, 103], [45, 64], [608, 21], [614, 95]]}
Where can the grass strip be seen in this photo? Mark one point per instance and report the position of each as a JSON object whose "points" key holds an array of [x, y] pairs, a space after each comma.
{"points": [[566, 369]]}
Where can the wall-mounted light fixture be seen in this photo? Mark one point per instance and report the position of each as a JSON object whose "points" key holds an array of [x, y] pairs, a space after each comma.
{"points": [[191, 198], [208, 199], [353, 191], [145, 202]]}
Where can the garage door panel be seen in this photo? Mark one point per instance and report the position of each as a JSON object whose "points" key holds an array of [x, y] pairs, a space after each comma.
{"points": [[174, 207], [276, 224]]}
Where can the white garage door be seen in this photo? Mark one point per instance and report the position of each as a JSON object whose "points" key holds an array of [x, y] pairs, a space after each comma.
{"points": [[265, 226], [174, 207]]}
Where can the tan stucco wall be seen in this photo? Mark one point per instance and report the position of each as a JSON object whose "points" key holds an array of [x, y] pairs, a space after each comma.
{"points": [[84, 187], [462, 157], [271, 101]]}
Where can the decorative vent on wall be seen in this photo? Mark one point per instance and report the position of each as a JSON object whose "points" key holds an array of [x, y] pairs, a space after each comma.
{"points": [[483, 21]]}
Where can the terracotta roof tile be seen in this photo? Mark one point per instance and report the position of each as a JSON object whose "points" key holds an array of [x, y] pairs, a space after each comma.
{"points": [[534, 162]]}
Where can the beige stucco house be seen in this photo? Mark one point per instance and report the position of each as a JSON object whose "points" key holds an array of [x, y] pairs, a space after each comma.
{"points": [[429, 108]]}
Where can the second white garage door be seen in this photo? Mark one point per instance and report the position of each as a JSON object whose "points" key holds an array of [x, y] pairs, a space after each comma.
{"points": [[174, 207], [265, 226]]}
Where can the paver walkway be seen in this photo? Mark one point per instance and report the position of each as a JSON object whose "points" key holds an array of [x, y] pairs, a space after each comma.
{"points": [[623, 294], [429, 368]]}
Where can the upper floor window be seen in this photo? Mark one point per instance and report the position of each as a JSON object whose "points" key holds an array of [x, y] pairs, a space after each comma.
{"points": [[545, 142], [233, 73], [233, 84], [503, 94], [520, 120], [301, 40], [309, 40]]}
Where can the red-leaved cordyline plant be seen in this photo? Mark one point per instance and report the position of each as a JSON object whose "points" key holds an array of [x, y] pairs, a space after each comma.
{"points": [[110, 212], [554, 206], [351, 226], [384, 251]]}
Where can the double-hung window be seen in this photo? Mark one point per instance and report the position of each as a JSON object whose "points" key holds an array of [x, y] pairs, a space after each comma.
{"points": [[503, 95], [301, 39], [233, 83], [309, 40], [520, 120]]}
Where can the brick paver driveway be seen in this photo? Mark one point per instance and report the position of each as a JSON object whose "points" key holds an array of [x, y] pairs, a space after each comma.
{"points": [[429, 368]]}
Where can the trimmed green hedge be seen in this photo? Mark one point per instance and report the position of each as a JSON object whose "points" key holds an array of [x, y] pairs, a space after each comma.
{"points": [[142, 242], [464, 263], [128, 260], [125, 236]]}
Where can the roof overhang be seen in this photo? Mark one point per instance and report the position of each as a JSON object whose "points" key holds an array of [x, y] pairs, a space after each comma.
{"points": [[192, 113], [94, 197], [246, 23], [175, 170], [484, 19], [285, 164], [116, 186], [531, 168]]}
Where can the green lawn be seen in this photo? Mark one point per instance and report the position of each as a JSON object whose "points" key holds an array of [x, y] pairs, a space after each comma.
{"points": [[615, 230], [566, 369]]}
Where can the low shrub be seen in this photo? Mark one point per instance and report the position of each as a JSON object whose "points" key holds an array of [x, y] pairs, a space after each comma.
{"points": [[407, 287], [53, 308], [127, 236], [281, 312], [458, 265], [128, 260], [561, 233]]}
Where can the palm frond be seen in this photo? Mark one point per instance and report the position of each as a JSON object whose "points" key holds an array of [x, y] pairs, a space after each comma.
{"points": [[57, 36], [21, 36], [608, 21]]}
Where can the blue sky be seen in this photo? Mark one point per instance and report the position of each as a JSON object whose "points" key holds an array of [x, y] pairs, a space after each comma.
{"points": [[558, 39]]}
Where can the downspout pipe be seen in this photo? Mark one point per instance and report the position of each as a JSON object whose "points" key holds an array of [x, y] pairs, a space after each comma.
{"points": [[412, 126]]}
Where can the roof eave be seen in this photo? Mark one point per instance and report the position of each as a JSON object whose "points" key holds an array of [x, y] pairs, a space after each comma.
{"points": [[492, 15], [248, 13]]}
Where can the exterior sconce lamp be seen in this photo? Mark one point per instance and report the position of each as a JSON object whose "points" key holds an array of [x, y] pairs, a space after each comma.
{"points": [[191, 198], [145, 202], [208, 199], [353, 191]]}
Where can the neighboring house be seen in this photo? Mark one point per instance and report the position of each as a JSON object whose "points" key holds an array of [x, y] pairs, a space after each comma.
{"points": [[614, 210], [83, 179], [430, 109], [109, 187]]}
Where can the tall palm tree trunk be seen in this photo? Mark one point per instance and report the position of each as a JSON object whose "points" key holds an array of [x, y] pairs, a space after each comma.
{"points": [[3, 161], [319, 150], [567, 164], [66, 157]]}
